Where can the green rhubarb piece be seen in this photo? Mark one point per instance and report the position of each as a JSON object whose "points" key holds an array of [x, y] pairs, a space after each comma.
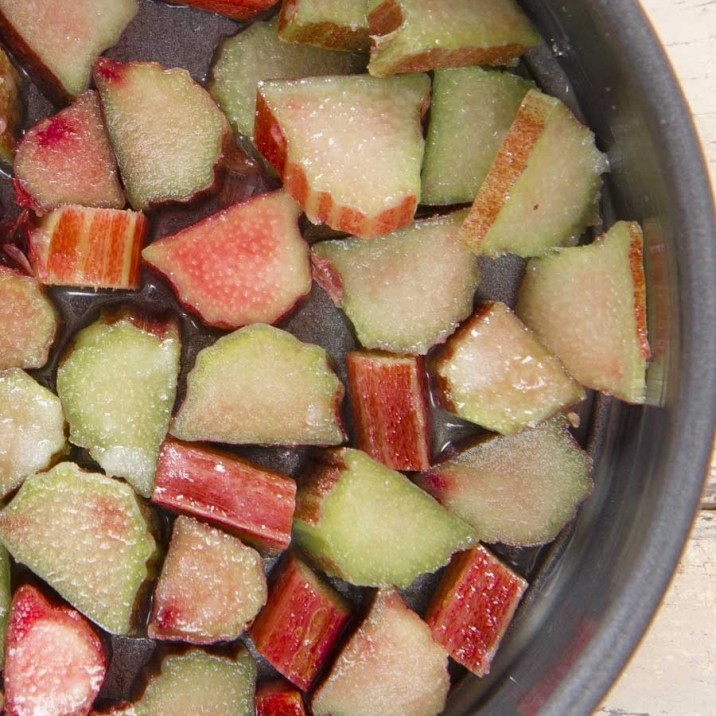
{"points": [[117, 385], [5, 599], [11, 109], [87, 537]]}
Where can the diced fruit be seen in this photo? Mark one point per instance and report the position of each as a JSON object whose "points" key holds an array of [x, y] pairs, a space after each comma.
{"points": [[277, 698], [495, 373], [11, 109], [543, 186], [67, 159], [391, 408], [517, 489], [86, 536], [54, 661], [81, 246], [235, 9], [58, 40], [117, 385], [391, 666], [298, 629], [260, 385], [415, 36], [5, 598], [32, 428], [403, 532], [348, 149], [587, 304], [473, 606], [28, 321], [470, 113], [245, 264], [404, 292], [257, 54], [165, 129], [211, 586], [233, 494]]}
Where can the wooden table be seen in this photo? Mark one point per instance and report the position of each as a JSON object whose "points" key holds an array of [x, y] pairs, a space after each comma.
{"points": [[673, 673]]}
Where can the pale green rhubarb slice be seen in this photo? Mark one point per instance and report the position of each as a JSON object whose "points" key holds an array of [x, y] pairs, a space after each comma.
{"points": [[470, 113], [494, 372], [390, 666], [256, 54], [87, 536], [349, 149], [587, 305], [402, 531], [543, 186], [117, 384], [403, 292], [166, 131], [260, 385], [415, 36], [32, 428], [517, 489], [11, 109]]}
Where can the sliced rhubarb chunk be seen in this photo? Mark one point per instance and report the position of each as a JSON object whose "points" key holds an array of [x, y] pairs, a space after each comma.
{"points": [[517, 489], [67, 159], [260, 385], [165, 129], [86, 536], [543, 186], [58, 40], [348, 149], [28, 321], [211, 586], [32, 428], [277, 698], [117, 384], [495, 373], [11, 109], [403, 532], [235, 9], [414, 36], [256, 54], [391, 666], [298, 630], [473, 606], [55, 662], [5, 598], [587, 304], [81, 246], [403, 292], [470, 113], [391, 408], [245, 264]]}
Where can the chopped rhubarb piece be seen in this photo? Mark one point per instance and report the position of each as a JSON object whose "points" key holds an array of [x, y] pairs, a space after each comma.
{"points": [[348, 149], [67, 159], [391, 666], [81, 246], [543, 186], [58, 40], [11, 109], [235, 9], [28, 321], [166, 131], [298, 629], [117, 384], [415, 36], [495, 373], [391, 408], [86, 536], [32, 428], [473, 606], [260, 385], [245, 264], [587, 304], [211, 586], [255, 504], [403, 292], [516, 489], [371, 526], [277, 698], [5, 598], [54, 661]]}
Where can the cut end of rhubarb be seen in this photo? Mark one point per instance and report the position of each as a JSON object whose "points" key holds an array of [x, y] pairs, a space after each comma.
{"points": [[277, 698]]}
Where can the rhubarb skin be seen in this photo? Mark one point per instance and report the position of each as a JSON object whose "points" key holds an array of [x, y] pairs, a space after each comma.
{"points": [[240, 10], [473, 606], [277, 698], [11, 109], [298, 628], [391, 410]]}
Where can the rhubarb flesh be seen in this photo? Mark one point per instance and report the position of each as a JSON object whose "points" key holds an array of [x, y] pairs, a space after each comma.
{"points": [[11, 109], [277, 698]]}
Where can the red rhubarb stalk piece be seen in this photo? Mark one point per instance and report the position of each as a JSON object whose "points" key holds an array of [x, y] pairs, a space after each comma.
{"points": [[278, 698], [235, 9]]}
